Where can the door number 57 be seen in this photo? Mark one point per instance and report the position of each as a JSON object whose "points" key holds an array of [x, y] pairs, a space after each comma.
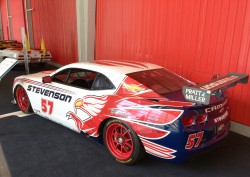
{"points": [[194, 140], [47, 106]]}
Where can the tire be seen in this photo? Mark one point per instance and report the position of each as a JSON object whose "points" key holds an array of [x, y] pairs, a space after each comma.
{"points": [[23, 100], [122, 142]]}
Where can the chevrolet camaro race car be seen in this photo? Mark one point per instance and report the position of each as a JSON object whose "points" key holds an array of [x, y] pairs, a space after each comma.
{"points": [[132, 107], [34, 55]]}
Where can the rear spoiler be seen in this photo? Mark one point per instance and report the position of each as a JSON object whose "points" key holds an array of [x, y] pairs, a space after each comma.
{"points": [[201, 93]]}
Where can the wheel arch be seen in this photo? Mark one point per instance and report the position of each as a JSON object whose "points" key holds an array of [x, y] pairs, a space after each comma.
{"points": [[101, 128], [14, 91], [30, 109]]}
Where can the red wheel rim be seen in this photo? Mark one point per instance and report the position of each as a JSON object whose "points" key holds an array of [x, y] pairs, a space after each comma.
{"points": [[22, 98], [119, 141]]}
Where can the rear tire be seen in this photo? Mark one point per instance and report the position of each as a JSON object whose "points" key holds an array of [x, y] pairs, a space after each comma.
{"points": [[23, 100], [122, 142]]}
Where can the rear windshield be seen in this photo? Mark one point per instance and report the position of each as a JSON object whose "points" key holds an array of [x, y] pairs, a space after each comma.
{"points": [[161, 80]]}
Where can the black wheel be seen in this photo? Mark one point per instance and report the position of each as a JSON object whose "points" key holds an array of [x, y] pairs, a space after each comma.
{"points": [[23, 99], [122, 142]]}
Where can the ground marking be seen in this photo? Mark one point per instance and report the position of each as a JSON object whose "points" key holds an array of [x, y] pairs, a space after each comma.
{"points": [[17, 113]]}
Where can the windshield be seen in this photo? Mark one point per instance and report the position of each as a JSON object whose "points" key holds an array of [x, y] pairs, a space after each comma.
{"points": [[161, 80]]}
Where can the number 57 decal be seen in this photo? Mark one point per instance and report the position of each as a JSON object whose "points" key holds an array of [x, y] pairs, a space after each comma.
{"points": [[194, 140], [47, 106]]}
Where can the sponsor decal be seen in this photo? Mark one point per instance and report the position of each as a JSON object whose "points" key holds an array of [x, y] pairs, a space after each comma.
{"points": [[216, 107], [220, 128], [219, 82], [196, 95], [49, 93], [120, 113], [221, 118], [132, 87]]}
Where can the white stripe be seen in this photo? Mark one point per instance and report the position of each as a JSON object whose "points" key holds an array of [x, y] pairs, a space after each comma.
{"points": [[17, 113]]}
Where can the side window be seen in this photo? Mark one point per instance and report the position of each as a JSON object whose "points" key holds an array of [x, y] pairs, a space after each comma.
{"points": [[81, 78], [61, 77], [102, 83]]}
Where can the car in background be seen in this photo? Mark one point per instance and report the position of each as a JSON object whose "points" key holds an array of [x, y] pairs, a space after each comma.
{"points": [[132, 107], [34, 55], [10, 44]]}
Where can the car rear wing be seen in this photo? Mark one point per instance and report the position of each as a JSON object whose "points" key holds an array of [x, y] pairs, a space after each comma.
{"points": [[201, 93]]}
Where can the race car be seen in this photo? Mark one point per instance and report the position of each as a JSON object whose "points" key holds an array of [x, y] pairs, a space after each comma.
{"points": [[133, 108], [34, 55], [9, 44]]}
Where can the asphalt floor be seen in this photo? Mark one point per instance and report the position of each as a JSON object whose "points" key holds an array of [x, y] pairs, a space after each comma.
{"points": [[32, 146]]}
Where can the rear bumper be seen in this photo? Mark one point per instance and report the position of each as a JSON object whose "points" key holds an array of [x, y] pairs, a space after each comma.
{"points": [[178, 146], [211, 140]]}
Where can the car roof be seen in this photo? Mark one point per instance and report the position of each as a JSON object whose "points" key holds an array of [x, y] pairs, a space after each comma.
{"points": [[107, 66]]}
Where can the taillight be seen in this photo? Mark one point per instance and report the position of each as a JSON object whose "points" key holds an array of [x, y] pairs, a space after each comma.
{"points": [[194, 120], [201, 118], [188, 121]]}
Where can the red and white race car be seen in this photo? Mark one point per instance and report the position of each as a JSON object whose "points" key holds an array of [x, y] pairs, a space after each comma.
{"points": [[34, 55], [10, 44], [133, 107]]}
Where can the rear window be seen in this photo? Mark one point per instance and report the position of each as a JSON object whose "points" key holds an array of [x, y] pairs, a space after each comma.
{"points": [[161, 80]]}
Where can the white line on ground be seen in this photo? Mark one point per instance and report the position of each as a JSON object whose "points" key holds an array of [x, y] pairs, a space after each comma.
{"points": [[17, 113]]}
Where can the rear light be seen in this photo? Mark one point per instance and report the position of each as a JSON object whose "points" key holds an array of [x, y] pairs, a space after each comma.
{"points": [[201, 118], [188, 121], [194, 120]]}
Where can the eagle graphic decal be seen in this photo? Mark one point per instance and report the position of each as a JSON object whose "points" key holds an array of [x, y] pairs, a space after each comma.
{"points": [[91, 106]]}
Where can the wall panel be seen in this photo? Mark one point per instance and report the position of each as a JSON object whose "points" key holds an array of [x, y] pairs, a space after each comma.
{"points": [[204, 37], [17, 14], [56, 21], [3, 7]]}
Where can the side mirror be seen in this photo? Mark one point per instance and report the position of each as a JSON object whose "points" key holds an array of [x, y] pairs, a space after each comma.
{"points": [[46, 79]]}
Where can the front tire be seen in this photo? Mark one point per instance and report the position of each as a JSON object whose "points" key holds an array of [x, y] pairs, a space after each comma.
{"points": [[23, 99], [122, 142]]}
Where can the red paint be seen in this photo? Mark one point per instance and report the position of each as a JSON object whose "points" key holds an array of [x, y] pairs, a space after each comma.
{"points": [[3, 7], [22, 98], [119, 141], [56, 22], [17, 18], [196, 36]]}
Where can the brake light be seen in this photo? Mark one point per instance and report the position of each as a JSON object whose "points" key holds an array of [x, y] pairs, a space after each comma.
{"points": [[194, 120], [201, 118], [188, 121]]}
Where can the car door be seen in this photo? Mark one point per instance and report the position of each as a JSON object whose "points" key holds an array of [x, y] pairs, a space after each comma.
{"points": [[72, 87]]}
